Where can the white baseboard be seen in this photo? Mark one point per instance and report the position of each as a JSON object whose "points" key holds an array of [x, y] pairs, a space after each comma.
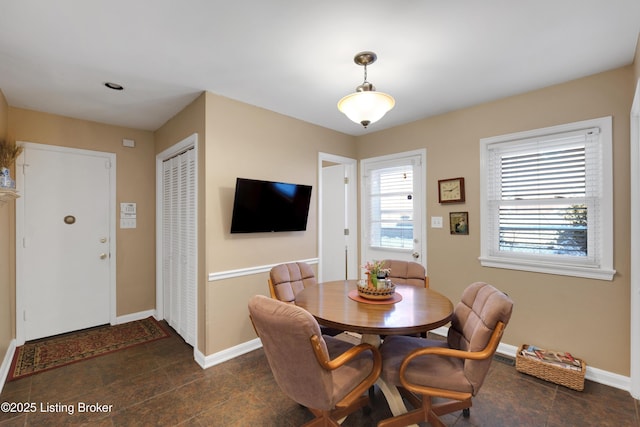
{"points": [[593, 374], [224, 355], [135, 316], [6, 363]]}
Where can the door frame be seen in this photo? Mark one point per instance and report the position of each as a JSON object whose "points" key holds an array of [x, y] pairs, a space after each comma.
{"points": [[189, 142], [422, 155], [634, 142], [351, 206], [20, 229]]}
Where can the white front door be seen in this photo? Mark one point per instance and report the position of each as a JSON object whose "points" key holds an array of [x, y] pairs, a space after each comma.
{"points": [[63, 240], [393, 203]]}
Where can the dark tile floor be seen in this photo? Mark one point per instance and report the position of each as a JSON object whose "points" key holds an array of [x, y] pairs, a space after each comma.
{"points": [[159, 384]]}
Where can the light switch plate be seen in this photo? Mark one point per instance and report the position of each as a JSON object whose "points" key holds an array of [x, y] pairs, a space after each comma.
{"points": [[436, 222], [127, 223]]}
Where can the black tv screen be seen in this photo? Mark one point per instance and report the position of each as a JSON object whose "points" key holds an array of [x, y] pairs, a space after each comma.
{"points": [[266, 206]]}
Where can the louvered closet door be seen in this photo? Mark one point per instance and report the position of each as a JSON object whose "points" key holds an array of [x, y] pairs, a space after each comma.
{"points": [[179, 244]]}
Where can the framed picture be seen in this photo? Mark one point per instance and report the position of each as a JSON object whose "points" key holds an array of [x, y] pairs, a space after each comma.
{"points": [[459, 222], [451, 190]]}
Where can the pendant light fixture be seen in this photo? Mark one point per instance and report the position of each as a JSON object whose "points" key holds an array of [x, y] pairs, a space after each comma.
{"points": [[366, 106]]}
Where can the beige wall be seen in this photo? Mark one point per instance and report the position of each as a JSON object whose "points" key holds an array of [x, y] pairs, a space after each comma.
{"points": [[189, 121], [240, 140], [590, 318], [587, 317], [7, 254], [250, 142], [135, 176]]}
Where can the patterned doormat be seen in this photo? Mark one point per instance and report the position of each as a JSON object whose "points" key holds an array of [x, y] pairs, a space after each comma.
{"points": [[48, 353]]}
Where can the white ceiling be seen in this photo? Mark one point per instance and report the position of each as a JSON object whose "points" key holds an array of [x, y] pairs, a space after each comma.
{"points": [[296, 57]]}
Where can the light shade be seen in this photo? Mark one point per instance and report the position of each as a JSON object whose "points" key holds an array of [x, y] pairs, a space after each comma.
{"points": [[366, 107]]}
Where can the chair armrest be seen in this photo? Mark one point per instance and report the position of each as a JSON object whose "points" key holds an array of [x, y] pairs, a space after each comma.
{"points": [[344, 358], [485, 353]]}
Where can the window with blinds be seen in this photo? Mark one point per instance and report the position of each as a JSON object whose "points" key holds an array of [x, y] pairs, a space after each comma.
{"points": [[391, 207], [547, 199]]}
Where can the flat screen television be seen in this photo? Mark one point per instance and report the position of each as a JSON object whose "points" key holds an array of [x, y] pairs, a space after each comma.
{"points": [[266, 206]]}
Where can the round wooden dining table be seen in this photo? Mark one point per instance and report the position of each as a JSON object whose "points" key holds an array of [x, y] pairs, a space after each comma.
{"points": [[413, 310]]}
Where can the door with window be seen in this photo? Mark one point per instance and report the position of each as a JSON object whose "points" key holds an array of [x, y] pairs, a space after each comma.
{"points": [[393, 204]]}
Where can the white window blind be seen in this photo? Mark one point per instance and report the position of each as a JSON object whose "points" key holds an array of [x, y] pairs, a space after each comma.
{"points": [[179, 244], [390, 207], [545, 201]]}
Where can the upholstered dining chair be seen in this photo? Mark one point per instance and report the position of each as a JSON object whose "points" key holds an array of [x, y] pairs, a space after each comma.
{"points": [[286, 280], [453, 369], [407, 273], [324, 374]]}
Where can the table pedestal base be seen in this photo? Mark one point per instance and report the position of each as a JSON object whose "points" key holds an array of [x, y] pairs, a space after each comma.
{"points": [[372, 339], [390, 391]]}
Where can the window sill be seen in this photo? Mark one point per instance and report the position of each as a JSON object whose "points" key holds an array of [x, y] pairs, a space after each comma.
{"points": [[597, 273]]}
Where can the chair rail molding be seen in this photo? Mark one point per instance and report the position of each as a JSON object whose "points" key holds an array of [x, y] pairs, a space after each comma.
{"points": [[248, 271]]}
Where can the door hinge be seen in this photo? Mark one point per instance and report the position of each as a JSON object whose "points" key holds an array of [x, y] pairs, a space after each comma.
{"points": [[24, 315], [107, 164], [346, 231], [24, 242], [346, 180]]}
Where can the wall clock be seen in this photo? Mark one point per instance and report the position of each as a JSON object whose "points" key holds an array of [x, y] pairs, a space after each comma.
{"points": [[451, 190]]}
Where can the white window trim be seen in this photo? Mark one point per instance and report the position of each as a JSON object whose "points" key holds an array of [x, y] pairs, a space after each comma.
{"points": [[605, 270]]}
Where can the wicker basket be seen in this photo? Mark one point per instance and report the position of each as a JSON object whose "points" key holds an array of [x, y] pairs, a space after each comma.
{"points": [[381, 293], [570, 378]]}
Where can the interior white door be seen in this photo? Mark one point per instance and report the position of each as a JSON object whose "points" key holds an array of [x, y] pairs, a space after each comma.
{"points": [[338, 244], [393, 200], [334, 248], [65, 255]]}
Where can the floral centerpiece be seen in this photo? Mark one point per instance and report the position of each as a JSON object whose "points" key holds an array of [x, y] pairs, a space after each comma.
{"points": [[375, 270], [376, 286]]}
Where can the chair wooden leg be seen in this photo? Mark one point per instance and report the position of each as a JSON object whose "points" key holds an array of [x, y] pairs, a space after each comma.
{"points": [[418, 415], [323, 419], [414, 417], [425, 412], [340, 413], [450, 406]]}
